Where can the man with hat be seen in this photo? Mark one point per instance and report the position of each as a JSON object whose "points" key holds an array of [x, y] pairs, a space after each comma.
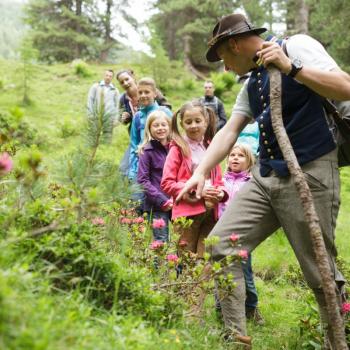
{"points": [[269, 201]]}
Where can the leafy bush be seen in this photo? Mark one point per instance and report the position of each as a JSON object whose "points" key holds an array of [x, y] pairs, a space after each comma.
{"points": [[67, 129], [81, 68], [15, 133], [223, 82]]}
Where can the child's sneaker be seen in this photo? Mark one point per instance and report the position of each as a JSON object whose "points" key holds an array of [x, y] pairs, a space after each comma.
{"points": [[254, 314]]}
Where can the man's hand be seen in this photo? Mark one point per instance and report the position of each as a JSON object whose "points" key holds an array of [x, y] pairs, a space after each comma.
{"points": [[196, 182], [272, 53]]}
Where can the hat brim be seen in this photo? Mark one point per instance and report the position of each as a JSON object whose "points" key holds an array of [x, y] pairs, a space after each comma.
{"points": [[211, 54]]}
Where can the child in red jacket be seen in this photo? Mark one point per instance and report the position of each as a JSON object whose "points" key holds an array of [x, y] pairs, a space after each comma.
{"points": [[186, 152]]}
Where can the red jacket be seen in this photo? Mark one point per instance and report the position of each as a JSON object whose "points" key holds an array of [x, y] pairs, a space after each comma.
{"points": [[177, 170]]}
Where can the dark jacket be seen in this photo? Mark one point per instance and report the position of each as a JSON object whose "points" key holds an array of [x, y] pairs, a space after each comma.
{"points": [[149, 175], [218, 107]]}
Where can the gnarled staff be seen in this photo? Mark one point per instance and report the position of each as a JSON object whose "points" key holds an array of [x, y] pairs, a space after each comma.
{"points": [[328, 284]]}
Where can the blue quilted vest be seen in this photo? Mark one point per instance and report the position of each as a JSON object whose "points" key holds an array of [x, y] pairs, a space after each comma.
{"points": [[303, 118]]}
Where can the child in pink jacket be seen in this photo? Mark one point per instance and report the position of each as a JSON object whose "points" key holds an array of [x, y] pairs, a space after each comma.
{"points": [[186, 152]]}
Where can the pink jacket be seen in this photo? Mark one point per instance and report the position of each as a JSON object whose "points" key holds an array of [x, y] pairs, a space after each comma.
{"points": [[177, 170]]}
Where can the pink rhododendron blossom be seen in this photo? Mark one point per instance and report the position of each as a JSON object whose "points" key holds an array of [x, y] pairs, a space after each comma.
{"points": [[157, 245], [183, 243], [5, 163], [345, 308], [158, 223], [98, 221], [139, 220], [234, 237], [243, 254], [172, 258]]}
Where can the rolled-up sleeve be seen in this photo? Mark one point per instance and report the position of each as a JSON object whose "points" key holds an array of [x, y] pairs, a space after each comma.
{"points": [[242, 106]]}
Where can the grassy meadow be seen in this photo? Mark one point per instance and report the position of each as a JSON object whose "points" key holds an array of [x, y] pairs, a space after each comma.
{"points": [[33, 317]]}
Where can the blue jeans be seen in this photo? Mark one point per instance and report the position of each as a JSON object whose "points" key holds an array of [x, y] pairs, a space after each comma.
{"points": [[160, 234], [251, 300]]}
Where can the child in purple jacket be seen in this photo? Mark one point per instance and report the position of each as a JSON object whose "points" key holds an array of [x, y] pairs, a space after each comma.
{"points": [[152, 155]]}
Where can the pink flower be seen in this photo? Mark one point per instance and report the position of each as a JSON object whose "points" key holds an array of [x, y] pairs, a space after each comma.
{"points": [[5, 163], [172, 258], [157, 245], [345, 308], [98, 221], [183, 243], [234, 238], [139, 220], [158, 223], [125, 221], [142, 228], [243, 254]]}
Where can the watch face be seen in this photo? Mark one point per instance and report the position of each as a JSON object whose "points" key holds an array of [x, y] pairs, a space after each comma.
{"points": [[297, 63]]}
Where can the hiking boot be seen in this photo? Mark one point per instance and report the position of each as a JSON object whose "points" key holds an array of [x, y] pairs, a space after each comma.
{"points": [[240, 342], [254, 315]]}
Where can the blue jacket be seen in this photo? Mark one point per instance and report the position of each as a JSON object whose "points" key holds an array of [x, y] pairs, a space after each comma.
{"points": [[250, 136], [303, 117], [137, 135], [149, 175]]}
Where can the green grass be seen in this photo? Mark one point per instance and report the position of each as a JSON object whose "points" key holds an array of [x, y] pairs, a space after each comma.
{"points": [[40, 319]]}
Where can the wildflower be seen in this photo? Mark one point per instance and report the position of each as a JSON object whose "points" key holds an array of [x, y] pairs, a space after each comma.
{"points": [[243, 254], [183, 243], [5, 163], [158, 223], [172, 258], [142, 228], [345, 308], [157, 245], [234, 237], [139, 220], [98, 221], [125, 221]]}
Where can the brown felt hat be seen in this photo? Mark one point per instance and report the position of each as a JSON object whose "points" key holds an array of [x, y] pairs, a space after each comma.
{"points": [[228, 26]]}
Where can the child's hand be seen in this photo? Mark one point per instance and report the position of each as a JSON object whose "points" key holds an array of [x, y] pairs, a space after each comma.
{"points": [[190, 198], [168, 205], [212, 194]]}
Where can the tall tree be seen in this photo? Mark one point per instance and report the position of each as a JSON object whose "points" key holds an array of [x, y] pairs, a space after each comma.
{"points": [[329, 23], [184, 27], [62, 30]]}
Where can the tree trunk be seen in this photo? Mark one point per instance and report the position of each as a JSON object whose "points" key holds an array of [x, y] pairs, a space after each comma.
{"points": [[78, 12], [302, 17], [328, 284], [188, 62], [108, 40]]}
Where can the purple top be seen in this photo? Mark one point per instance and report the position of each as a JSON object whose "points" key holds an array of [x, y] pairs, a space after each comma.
{"points": [[150, 172], [233, 183]]}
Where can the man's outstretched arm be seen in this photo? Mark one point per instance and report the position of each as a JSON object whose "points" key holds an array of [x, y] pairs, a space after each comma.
{"points": [[216, 152]]}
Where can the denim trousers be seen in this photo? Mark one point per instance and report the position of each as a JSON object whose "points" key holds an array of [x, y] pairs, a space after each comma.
{"points": [[160, 234]]}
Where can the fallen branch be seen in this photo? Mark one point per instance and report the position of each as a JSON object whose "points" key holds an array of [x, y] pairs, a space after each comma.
{"points": [[328, 284]]}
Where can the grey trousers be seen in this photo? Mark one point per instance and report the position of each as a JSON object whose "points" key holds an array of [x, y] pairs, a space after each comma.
{"points": [[267, 203]]}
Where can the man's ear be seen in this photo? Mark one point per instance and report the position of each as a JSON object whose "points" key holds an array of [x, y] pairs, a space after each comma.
{"points": [[232, 44]]}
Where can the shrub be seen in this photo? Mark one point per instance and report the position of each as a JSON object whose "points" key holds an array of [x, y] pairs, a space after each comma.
{"points": [[67, 129], [81, 68]]}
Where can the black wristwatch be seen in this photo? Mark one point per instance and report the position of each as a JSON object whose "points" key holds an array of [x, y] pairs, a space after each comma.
{"points": [[296, 67]]}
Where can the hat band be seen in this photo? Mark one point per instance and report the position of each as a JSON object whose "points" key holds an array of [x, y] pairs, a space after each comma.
{"points": [[232, 31]]}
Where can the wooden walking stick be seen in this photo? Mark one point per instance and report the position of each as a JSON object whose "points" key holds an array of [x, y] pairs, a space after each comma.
{"points": [[328, 284]]}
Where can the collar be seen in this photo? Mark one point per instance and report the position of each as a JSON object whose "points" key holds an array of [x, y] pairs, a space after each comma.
{"points": [[102, 83], [243, 175], [192, 142], [149, 108], [209, 98]]}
